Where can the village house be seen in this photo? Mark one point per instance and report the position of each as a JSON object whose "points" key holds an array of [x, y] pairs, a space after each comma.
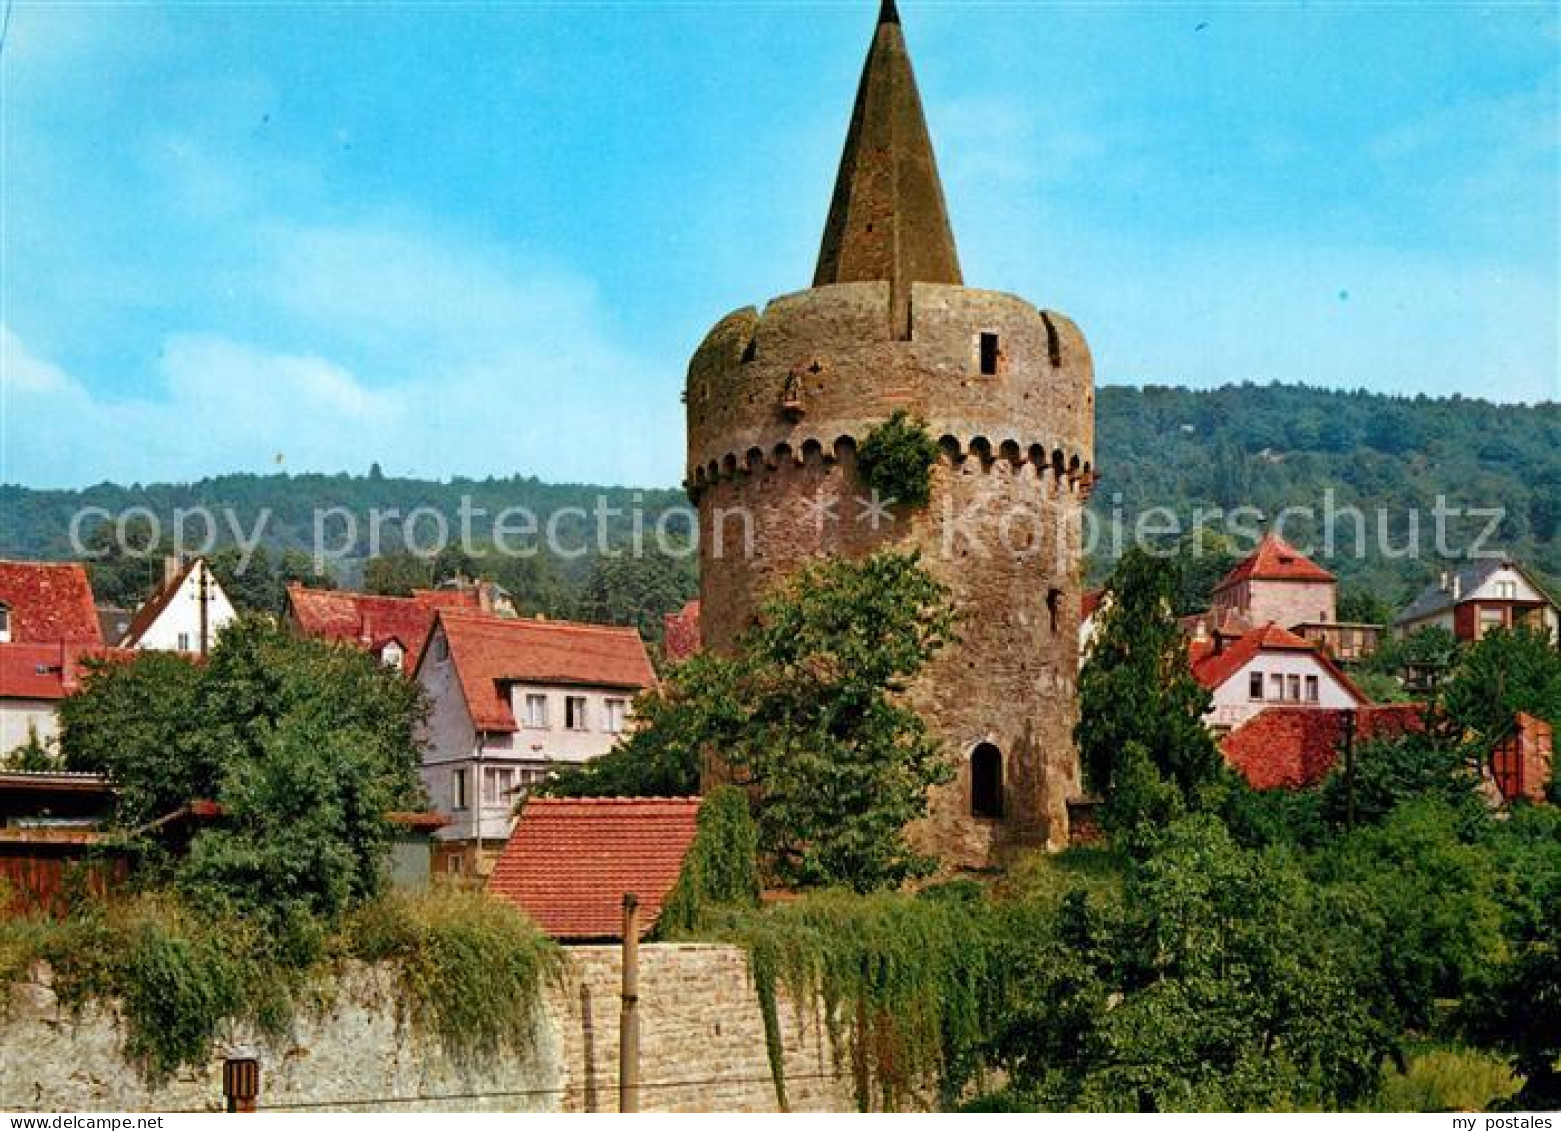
{"points": [[512, 700], [1278, 584], [1488, 594], [572, 860], [45, 603], [393, 629], [184, 614], [34, 680], [1264, 667]]}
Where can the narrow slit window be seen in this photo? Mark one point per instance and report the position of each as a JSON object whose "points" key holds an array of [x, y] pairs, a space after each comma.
{"points": [[989, 355]]}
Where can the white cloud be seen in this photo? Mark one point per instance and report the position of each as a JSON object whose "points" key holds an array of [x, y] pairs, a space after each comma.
{"points": [[23, 372]]}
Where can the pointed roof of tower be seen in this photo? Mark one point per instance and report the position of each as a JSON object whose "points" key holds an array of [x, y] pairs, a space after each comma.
{"points": [[888, 219]]}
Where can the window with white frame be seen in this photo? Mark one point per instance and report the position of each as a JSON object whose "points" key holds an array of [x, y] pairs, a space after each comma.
{"points": [[1312, 689], [536, 710], [183, 642], [1276, 686], [1507, 590], [574, 712], [457, 789], [498, 783], [617, 711], [1255, 685], [1294, 687]]}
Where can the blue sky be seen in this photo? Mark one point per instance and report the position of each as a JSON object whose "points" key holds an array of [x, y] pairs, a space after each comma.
{"points": [[482, 239]]}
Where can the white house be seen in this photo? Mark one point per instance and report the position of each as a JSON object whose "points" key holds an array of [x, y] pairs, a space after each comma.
{"points": [[1268, 666], [1485, 595], [513, 700], [34, 679], [185, 614]]}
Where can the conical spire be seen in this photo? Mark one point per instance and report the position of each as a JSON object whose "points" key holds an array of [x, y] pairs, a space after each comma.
{"points": [[887, 219]]}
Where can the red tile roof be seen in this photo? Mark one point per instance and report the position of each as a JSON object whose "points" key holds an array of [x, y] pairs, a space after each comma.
{"points": [[1212, 666], [570, 861], [1090, 602], [1294, 747], [1275, 560], [371, 621], [49, 601], [682, 637], [490, 653], [48, 671]]}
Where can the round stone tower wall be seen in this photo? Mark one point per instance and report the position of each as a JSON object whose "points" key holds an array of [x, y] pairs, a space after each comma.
{"points": [[778, 404]]}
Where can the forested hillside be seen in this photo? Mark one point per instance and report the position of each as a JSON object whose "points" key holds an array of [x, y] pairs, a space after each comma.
{"points": [[1263, 446]]}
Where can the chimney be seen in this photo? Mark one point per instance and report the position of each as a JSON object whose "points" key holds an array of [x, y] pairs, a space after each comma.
{"points": [[1200, 632], [1447, 581], [171, 567], [68, 679], [485, 596], [1457, 587]]}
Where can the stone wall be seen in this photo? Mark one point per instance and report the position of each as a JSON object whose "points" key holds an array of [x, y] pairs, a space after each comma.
{"points": [[702, 1048], [778, 404]]}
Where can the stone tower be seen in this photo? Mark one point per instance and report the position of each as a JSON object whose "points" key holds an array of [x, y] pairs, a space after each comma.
{"points": [[779, 401]]}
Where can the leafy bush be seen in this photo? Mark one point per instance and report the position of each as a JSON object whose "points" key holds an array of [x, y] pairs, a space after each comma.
{"points": [[1451, 1079], [470, 970], [896, 459], [721, 870]]}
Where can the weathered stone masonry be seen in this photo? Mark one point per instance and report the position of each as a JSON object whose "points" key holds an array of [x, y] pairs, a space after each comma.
{"points": [[702, 1040], [779, 402]]}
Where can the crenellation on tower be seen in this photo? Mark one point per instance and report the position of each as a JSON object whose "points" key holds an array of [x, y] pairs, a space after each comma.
{"points": [[778, 402]]}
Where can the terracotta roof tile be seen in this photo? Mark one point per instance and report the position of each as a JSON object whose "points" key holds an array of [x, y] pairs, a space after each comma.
{"points": [[1294, 747], [490, 653], [48, 671], [1275, 560], [370, 621], [570, 861], [49, 601]]}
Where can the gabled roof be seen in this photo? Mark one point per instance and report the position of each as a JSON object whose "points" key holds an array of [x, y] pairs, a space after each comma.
{"points": [[1212, 666], [49, 671], [1293, 747], [49, 601], [1465, 582], [887, 219], [1275, 560], [491, 653], [570, 861], [154, 606], [369, 620], [1090, 602]]}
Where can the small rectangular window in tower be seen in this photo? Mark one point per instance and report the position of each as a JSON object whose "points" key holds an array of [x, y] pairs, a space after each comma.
{"points": [[989, 353]]}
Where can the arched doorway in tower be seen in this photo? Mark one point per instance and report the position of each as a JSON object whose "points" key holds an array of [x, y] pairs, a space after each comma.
{"points": [[986, 781]]}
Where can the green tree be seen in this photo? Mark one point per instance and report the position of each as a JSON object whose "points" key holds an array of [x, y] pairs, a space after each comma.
{"points": [[305, 746], [1501, 674], [126, 572], [32, 756], [397, 574], [809, 715], [637, 590], [1142, 741]]}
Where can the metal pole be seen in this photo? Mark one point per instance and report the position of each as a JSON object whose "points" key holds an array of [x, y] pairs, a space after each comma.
{"points": [[629, 1017], [240, 1083], [203, 588]]}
